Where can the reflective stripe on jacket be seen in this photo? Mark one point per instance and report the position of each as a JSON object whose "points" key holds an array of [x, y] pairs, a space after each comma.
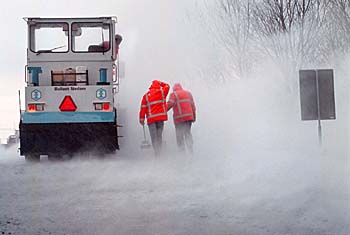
{"points": [[153, 104], [182, 103]]}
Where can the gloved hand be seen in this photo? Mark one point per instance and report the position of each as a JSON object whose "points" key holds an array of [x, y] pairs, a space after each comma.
{"points": [[194, 117], [142, 122]]}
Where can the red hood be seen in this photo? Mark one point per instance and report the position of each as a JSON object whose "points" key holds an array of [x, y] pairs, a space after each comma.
{"points": [[155, 85], [177, 86]]}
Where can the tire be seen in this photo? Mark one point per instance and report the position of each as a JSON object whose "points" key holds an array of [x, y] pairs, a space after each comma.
{"points": [[67, 157], [32, 158], [107, 155], [54, 157]]}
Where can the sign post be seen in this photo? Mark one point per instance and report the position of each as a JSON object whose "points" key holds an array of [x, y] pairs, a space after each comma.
{"points": [[317, 96], [318, 110]]}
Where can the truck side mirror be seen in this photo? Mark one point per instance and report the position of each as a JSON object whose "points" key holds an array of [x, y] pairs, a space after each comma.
{"points": [[118, 39]]}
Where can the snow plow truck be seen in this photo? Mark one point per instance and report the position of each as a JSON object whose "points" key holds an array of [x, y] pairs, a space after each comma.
{"points": [[71, 80]]}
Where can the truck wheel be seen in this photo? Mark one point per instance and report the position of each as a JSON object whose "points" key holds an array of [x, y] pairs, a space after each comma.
{"points": [[32, 158], [67, 157], [54, 157]]}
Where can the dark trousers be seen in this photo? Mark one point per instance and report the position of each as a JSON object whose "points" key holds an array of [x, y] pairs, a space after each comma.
{"points": [[184, 136], [156, 132]]}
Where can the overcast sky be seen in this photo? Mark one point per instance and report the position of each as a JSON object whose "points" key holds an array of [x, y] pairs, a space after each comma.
{"points": [[157, 41]]}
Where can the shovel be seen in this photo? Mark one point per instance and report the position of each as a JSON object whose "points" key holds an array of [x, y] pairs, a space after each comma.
{"points": [[145, 143]]}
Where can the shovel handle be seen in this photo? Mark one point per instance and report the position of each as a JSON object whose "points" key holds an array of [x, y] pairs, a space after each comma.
{"points": [[144, 133]]}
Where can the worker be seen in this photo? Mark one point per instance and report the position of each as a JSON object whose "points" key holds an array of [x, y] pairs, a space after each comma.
{"points": [[184, 114], [118, 39], [153, 107]]}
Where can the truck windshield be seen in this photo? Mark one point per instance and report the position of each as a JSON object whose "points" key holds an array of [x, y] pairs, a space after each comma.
{"points": [[49, 37], [90, 37]]}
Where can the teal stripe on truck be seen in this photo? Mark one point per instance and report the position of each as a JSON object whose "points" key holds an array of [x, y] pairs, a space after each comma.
{"points": [[67, 117]]}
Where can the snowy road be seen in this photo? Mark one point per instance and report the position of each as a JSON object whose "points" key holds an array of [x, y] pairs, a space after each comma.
{"points": [[265, 192]]}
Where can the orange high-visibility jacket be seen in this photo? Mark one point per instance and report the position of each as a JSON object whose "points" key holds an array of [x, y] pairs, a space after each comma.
{"points": [[153, 104], [183, 105]]}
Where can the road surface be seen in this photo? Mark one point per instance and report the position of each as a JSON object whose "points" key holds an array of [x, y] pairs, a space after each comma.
{"points": [[245, 192]]}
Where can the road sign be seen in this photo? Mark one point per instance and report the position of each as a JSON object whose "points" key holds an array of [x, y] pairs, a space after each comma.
{"points": [[326, 90], [317, 96], [308, 94]]}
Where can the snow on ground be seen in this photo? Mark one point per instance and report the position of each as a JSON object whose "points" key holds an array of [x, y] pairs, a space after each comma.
{"points": [[256, 191], [256, 170]]}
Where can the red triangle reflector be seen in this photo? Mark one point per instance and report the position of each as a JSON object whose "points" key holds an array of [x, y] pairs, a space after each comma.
{"points": [[68, 104]]}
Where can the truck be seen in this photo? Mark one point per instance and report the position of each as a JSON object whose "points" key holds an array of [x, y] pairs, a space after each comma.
{"points": [[71, 79]]}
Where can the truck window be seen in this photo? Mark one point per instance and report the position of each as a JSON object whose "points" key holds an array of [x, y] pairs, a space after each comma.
{"points": [[90, 37], [49, 37]]}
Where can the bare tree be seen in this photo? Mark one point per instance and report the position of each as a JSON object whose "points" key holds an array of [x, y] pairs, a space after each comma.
{"points": [[232, 29], [289, 29], [337, 36], [294, 33]]}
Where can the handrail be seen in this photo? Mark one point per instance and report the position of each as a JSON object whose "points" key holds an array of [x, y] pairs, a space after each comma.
{"points": [[25, 73]]}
